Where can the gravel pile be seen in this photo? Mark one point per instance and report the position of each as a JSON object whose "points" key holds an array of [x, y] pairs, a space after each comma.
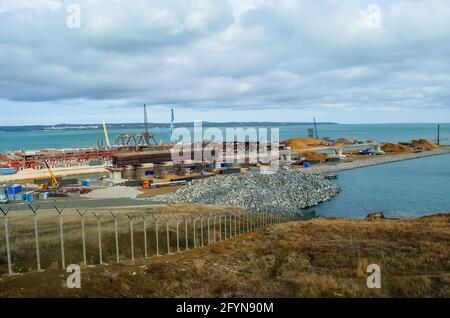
{"points": [[282, 192], [112, 193]]}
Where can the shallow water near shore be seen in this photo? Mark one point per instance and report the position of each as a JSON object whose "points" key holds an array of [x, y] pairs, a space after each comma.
{"points": [[409, 188]]}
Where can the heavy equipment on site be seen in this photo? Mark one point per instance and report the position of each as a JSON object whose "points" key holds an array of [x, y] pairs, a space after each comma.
{"points": [[54, 182]]}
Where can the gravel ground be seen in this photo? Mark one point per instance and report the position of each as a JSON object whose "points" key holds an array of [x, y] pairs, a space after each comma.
{"points": [[282, 192], [113, 192]]}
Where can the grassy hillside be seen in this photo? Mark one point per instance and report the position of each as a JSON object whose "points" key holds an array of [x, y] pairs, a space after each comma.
{"points": [[323, 257]]}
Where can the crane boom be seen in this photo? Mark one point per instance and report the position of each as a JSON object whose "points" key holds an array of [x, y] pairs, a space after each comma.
{"points": [[55, 183], [105, 131]]}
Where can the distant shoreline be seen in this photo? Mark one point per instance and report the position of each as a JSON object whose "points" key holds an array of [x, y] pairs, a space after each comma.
{"points": [[62, 127]]}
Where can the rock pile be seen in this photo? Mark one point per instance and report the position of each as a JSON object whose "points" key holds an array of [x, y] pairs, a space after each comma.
{"points": [[287, 191]]}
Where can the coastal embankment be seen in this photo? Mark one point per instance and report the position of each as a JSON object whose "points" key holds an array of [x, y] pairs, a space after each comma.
{"points": [[378, 160]]}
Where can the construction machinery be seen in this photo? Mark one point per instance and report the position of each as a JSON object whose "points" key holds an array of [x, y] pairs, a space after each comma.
{"points": [[54, 182], [144, 139], [105, 131]]}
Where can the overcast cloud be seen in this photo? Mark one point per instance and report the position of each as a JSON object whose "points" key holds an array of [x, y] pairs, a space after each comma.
{"points": [[224, 60]]}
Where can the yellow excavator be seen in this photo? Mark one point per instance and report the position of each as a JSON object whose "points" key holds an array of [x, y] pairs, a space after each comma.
{"points": [[55, 184]]}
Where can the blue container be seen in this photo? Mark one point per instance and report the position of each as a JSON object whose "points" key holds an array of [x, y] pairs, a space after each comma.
{"points": [[149, 173], [14, 189], [4, 171], [85, 183], [28, 197], [306, 164], [225, 165]]}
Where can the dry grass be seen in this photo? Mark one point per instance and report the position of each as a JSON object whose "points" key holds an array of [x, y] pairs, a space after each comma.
{"points": [[22, 239], [317, 258]]}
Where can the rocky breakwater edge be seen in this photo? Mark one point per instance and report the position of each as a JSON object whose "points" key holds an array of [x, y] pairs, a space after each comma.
{"points": [[286, 191]]}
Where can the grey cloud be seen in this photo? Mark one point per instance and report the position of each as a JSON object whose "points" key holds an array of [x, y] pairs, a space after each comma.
{"points": [[198, 54]]}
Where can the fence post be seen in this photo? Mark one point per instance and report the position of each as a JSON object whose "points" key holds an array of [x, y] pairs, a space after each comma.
{"points": [[225, 225], [208, 229], [178, 234], [99, 235], [214, 229], [8, 248], [220, 228], [231, 225], [131, 235], [186, 233], [36, 236], [83, 237], [156, 234], [61, 236], [193, 227], [144, 217], [235, 226], [201, 231], [116, 232], [168, 235]]}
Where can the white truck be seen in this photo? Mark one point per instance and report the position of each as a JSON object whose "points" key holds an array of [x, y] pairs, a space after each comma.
{"points": [[3, 198]]}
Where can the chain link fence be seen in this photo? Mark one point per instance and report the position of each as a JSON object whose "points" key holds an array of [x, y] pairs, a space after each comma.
{"points": [[37, 241]]}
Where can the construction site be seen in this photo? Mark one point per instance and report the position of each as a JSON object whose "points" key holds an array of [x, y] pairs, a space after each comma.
{"points": [[137, 160], [134, 160]]}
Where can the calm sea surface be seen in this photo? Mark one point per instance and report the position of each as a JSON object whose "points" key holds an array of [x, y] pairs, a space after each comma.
{"points": [[402, 189], [79, 138]]}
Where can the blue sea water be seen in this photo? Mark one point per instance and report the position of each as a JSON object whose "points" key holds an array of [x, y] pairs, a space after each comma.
{"points": [[80, 138], [402, 189]]}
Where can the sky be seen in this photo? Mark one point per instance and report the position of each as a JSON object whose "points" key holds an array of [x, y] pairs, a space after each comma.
{"points": [[349, 61]]}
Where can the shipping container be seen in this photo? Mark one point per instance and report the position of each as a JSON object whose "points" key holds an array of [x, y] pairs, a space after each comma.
{"points": [[28, 196], [43, 196], [68, 182], [14, 189], [134, 183], [230, 171]]}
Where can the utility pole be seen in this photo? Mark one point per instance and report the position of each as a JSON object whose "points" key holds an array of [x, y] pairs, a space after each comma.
{"points": [[146, 131], [172, 118], [315, 128], [439, 134]]}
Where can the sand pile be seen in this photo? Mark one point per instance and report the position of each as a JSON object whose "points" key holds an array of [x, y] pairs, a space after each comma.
{"points": [[302, 143], [112, 193], [312, 155], [397, 148], [423, 144]]}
